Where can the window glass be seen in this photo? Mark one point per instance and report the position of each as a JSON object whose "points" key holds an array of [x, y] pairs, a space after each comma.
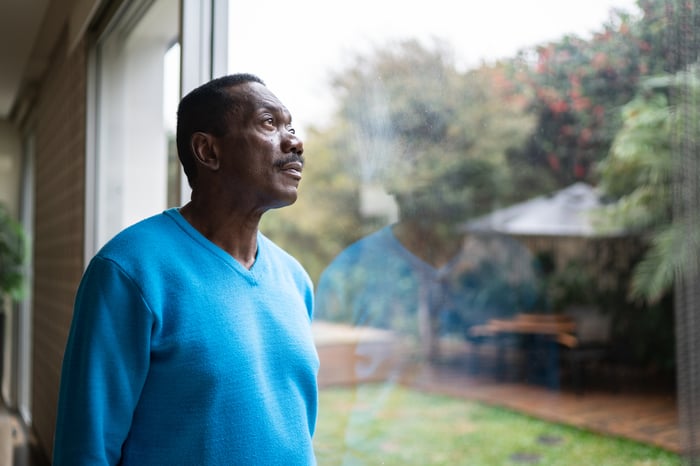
{"points": [[486, 215], [137, 82], [171, 97]]}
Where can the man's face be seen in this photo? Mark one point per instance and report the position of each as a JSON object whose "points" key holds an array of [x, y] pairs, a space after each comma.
{"points": [[260, 153]]}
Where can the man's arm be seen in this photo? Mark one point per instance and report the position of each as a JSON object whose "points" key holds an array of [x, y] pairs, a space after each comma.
{"points": [[104, 367]]}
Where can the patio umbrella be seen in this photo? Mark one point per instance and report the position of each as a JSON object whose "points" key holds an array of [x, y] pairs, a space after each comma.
{"points": [[568, 212], [564, 225]]}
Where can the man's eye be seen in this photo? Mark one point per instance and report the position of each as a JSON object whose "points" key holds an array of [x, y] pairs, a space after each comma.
{"points": [[270, 121], [292, 130]]}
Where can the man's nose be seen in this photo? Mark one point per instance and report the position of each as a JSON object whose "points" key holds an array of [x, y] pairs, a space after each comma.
{"points": [[293, 143]]}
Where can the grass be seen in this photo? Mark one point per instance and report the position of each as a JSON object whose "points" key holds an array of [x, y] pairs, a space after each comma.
{"points": [[390, 425]]}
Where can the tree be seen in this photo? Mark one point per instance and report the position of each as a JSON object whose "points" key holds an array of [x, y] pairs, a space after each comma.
{"points": [[639, 174], [412, 118], [406, 118], [578, 87]]}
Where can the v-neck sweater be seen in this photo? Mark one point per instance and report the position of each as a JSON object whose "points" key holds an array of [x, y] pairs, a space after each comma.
{"points": [[179, 355]]}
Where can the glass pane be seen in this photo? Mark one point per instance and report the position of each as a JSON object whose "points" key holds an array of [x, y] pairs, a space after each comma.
{"points": [[171, 98], [486, 215], [138, 73]]}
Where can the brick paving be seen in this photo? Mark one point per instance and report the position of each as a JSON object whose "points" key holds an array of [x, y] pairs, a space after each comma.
{"points": [[650, 417]]}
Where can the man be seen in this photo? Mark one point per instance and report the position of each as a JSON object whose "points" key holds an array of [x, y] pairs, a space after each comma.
{"points": [[191, 340]]}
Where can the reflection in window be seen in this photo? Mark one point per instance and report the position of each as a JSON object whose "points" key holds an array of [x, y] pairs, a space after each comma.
{"points": [[498, 213]]}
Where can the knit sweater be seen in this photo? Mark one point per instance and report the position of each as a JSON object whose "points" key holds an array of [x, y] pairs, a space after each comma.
{"points": [[179, 355]]}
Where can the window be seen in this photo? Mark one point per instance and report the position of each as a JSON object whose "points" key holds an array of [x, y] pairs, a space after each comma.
{"points": [[448, 139], [137, 81]]}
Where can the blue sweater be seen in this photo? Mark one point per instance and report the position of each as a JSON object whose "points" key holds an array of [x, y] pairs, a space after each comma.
{"points": [[179, 355]]}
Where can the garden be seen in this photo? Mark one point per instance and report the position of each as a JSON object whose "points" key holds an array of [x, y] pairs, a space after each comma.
{"points": [[377, 424]]}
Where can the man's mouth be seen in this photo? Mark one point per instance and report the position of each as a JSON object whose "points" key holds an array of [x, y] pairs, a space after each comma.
{"points": [[293, 168]]}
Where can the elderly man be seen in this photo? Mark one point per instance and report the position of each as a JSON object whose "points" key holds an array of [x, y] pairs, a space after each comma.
{"points": [[191, 340]]}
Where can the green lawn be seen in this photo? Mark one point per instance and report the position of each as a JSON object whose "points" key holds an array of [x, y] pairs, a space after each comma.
{"points": [[394, 426]]}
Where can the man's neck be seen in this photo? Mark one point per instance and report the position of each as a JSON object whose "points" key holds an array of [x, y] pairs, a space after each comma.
{"points": [[232, 231]]}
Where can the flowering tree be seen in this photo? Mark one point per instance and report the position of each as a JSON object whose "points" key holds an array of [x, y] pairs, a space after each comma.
{"points": [[407, 120], [578, 87]]}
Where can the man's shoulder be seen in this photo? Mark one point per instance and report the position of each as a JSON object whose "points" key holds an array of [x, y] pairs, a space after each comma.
{"points": [[277, 252], [281, 263], [272, 247], [145, 235]]}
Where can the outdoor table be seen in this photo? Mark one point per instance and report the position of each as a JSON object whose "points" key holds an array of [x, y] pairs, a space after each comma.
{"points": [[561, 327], [535, 335]]}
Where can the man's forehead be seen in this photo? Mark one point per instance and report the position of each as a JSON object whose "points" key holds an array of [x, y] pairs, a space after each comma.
{"points": [[256, 97]]}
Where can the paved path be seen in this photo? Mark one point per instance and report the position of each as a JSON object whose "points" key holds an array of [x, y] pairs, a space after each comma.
{"points": [[645, 417]]}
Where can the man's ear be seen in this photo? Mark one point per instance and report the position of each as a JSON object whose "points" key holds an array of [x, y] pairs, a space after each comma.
{"points": [[203, 148]]}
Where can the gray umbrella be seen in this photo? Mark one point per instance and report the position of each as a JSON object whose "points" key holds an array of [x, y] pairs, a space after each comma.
{"points": [[568, 212]]}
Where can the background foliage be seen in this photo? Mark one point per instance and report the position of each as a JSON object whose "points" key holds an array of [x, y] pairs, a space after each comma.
{"points": [[594, 109], [12, 252]]}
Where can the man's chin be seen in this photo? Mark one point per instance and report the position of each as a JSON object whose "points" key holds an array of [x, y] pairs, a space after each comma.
{"points": [[288, 199]]}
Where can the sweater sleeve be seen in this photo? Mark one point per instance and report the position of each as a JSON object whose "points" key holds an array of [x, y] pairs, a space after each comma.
{"points": [[104, 367]]}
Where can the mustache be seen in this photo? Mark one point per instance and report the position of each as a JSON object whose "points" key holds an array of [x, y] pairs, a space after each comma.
{"points": [[290, 159]]}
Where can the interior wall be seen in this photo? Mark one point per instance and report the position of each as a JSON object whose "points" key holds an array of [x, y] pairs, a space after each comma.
{"points": [[59, 223]]}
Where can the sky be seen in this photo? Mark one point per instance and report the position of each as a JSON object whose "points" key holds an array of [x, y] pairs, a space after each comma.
{"points": [[295, 46]]}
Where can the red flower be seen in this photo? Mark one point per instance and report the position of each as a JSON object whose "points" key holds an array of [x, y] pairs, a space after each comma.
{"points": [[585, 135], [566, 130], [553, 161], [558, 106], [599, 60], [599, 112], [581, 104]]}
